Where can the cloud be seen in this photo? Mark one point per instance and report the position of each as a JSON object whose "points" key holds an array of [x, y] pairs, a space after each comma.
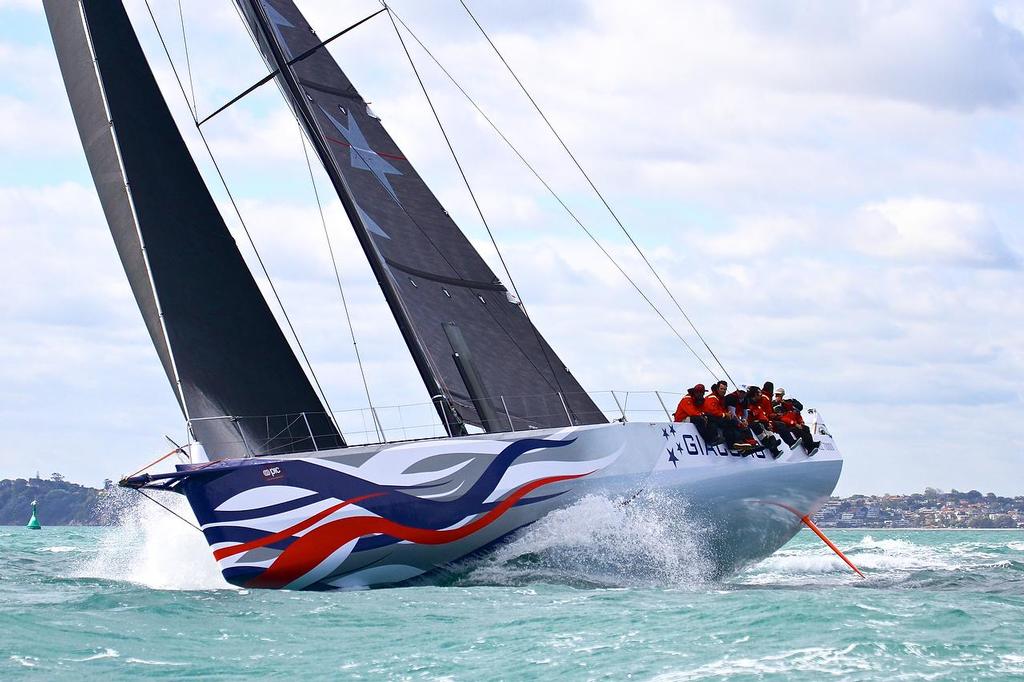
{"points": [[756, 237], [932, 231], [948, 54]]}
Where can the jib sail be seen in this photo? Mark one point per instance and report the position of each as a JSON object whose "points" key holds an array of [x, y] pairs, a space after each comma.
{"points": [[476, 349], [235, 375]]}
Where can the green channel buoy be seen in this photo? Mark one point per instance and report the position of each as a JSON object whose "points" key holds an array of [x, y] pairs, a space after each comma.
{"points": [[33, 523]]}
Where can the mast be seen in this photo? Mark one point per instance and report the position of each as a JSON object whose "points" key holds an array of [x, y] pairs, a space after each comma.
{"points": [[301, 106]]}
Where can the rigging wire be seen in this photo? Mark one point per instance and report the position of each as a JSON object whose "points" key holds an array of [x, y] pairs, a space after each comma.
{"points": [[451, 150], [337, 278], [590, 182], [238, 213], [294, 60], [448, 262], [556, 196], [161, 504], [472, 194], [188, 62]]}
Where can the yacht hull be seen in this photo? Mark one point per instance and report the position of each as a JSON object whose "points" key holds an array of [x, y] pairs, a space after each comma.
{"points": [[388, 514]]}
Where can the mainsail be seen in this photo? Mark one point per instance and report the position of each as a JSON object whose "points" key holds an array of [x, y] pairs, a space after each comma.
{"points": [[476, 350], [236, 378]]}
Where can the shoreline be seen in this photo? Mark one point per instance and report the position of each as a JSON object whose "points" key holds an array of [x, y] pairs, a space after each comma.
{"points": [[913, 528]]}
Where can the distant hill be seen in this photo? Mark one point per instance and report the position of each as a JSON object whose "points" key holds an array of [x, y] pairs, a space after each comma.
{"points": [[60, 503]]}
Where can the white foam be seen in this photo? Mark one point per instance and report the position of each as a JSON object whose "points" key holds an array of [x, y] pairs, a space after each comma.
{"points": [[818, 662], [647, 541], [890, 545], [886, 559], [58, 549], [143, 661], [106, 653], [25, 661], [152, 547]]}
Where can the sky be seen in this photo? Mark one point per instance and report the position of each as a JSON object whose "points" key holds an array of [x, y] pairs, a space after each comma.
{"points": [[833, 192]]}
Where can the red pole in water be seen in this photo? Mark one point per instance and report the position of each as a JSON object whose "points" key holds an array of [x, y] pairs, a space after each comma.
{"points": [[817, 531], [810, 524]]}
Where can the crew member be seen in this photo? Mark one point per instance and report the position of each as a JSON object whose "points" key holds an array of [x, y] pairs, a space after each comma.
{"points": [[691, 409], [788, 412], [779, 425], [759, 419], [719, 417], [737, 403]]}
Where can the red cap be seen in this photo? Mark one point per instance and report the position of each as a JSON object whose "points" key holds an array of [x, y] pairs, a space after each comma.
{"points": [[699, 388]]}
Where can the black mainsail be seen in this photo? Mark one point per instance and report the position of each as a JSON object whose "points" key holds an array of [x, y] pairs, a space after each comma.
{"points": [[478, 353], [224, 353]]}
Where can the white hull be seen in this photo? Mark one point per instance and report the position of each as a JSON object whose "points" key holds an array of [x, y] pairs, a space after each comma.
{"points": [[381, 515]]}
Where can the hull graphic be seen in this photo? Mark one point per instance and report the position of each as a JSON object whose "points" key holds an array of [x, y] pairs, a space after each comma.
{"points": [[383, 515]]}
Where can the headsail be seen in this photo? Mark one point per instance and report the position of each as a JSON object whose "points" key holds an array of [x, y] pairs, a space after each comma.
{"points": [[222, 349], [471, 340]]}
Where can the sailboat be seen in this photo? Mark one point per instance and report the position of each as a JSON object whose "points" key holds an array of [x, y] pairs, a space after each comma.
{"points": [[283, 499]]}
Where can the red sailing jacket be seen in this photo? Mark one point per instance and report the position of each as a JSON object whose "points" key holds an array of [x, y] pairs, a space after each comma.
{"points": [[687, 408], [713, 406], [761, 409], [791, 416]]}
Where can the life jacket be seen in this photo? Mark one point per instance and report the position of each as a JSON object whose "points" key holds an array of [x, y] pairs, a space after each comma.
{"points": [[761, 409], [687, 408], [713, 406], [790, 415]]}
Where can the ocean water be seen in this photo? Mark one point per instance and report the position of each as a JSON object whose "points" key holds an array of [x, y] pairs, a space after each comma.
{"points": [[598, 591]]}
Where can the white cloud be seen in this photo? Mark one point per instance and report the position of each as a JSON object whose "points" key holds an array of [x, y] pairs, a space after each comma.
{"points": [[756, 237], [922, 230]]}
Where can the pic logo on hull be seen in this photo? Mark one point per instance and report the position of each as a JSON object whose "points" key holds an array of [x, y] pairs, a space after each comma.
{"points": [[273, 473]]}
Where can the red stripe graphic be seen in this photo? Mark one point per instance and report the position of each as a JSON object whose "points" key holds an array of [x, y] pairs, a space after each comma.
{"points": [[307, 552], [346, 144], [287, 532]]}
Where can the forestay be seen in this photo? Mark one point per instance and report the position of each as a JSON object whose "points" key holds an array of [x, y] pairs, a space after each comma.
{"points": [[474, 345]]}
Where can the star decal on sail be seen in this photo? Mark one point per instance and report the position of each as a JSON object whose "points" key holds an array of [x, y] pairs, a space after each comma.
{"points": [[278, 21], [361, 155], [672, 457], [371, 224]]}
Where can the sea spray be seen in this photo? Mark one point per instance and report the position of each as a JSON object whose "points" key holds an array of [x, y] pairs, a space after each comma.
{"points": [[649, 540], [150, 546]]}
